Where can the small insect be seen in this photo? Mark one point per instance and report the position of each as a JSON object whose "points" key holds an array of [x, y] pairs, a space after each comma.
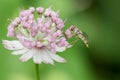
{"points": [[78, 33]]}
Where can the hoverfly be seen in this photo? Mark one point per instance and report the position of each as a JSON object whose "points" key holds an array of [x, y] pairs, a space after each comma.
{"points": [[78, 33]]}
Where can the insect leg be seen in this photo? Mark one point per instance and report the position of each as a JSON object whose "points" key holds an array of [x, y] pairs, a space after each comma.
{"points": [[73, 42]]}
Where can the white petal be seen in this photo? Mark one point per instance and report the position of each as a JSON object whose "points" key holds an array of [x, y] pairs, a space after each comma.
{"points": [[57, 58], [60, 49], [46, 57], [37, 58], [12, 45], [27, 55], [18, 52]]}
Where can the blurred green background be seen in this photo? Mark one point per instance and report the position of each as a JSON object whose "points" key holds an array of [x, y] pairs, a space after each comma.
{"points": [[100, 19]]}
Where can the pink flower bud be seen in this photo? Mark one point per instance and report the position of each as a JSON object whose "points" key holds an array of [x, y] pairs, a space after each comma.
{"points": [[59, 33], [52, 45], [59, 21], [25, 13], [68, 33], [11, 32], [25, 25], [32, 9], [14, 23], [34, 30], [51, 39], [43, 29], [47, 12], [24, 18], [60, 26], [54, 16], [62, 42], [54, 35], [17, 20], [40, 10], [31, 16]]}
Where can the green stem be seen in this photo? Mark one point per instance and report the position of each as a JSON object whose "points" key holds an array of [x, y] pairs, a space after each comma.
{"points": [[37, 72]]}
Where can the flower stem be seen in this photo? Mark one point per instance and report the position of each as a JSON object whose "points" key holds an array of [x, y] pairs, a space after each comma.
{"points": [[37, 72]]}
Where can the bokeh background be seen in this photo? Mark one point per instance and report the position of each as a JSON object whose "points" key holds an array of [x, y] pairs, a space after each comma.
{"points": [[99, 19]]}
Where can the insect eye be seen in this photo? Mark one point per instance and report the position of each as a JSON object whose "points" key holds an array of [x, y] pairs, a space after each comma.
{"points": [[72, 28]]}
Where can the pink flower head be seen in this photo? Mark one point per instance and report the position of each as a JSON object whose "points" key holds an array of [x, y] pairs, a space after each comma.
{"points": [[37, 38]]}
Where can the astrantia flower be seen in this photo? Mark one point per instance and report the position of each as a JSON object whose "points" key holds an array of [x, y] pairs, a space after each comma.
{"points": [[38, 37]]}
